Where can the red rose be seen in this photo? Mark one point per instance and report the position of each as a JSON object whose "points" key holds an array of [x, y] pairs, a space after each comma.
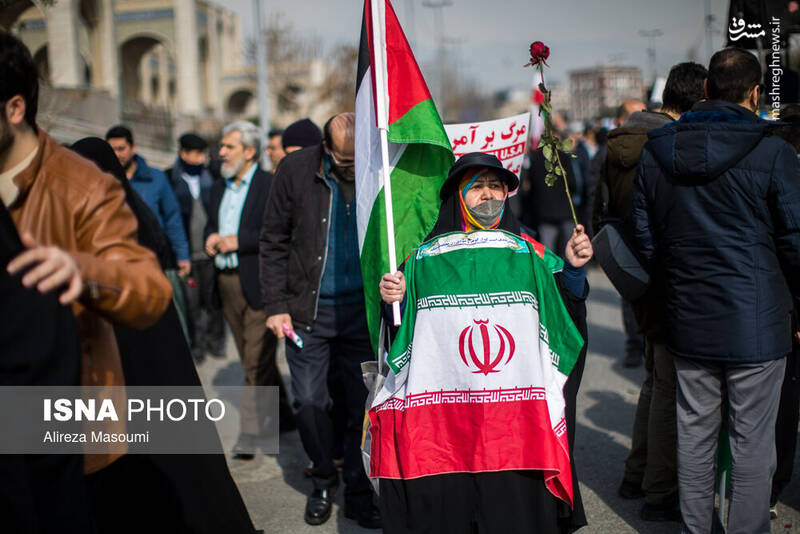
{"points": [[539, 52], [538, 97]]}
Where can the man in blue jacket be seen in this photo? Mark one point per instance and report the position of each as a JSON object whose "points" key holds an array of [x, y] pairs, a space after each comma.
{"points": [[716, 210], [151, 184]]}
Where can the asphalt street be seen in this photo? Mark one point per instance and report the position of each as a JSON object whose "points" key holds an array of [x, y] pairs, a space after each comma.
{"points": [[274, 487]]}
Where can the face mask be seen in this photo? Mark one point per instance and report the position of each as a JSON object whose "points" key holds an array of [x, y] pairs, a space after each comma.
{"points": [[487, 212], [191, 170]]}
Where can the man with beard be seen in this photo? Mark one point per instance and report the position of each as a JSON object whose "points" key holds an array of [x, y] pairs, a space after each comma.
{"points": [[153, 187], [311, 280], [231, 238]]}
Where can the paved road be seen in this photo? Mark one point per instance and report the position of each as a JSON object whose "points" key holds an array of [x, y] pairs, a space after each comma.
{"points": [[275, 490]]}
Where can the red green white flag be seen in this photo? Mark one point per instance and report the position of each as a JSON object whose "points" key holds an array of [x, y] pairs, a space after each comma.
{"points": [[478, 367], [419, 155]]}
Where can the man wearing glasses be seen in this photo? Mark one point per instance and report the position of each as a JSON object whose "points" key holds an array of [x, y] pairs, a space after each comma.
{"points": [[311, 284]]}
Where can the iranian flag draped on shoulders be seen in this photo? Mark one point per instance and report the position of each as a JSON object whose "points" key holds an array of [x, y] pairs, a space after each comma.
{"points": [[478, 366]]}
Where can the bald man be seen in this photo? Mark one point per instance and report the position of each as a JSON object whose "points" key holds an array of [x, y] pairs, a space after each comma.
{"points": [[628, 107], [311, 285]]}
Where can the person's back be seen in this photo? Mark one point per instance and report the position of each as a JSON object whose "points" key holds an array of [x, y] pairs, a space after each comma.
{"points": [[650, 468], [716, 210], [623, 149], [711, 185]]}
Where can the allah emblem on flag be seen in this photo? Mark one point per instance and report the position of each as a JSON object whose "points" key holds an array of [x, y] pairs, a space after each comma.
{"points": [[497, 338]]}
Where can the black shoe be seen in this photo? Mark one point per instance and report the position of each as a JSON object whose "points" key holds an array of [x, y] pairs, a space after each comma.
{"points": [[629, 490], [367, 516], [245, 447], [318, 505], [660, 512]]}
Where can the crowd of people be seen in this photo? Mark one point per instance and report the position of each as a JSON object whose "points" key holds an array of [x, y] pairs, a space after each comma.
{"points": [[133, 272]]}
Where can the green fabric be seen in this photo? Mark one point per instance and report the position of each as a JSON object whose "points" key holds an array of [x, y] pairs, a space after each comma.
{"points": [[421, 124], [416, 180]]}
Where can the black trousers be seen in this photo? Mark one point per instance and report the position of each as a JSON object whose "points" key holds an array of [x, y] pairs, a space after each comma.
{"points": [[339, 338], [204, 314]]}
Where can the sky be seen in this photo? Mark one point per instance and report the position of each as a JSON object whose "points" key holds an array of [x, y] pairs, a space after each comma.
{"points": [[488, 40]]}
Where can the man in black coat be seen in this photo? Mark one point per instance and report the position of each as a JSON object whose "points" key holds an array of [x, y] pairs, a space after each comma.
{"points": [[311, 281], [716, 211], [231, 238], [192, 181]]}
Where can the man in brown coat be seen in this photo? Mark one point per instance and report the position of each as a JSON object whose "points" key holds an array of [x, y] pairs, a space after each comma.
{"points": [[79, 234]]}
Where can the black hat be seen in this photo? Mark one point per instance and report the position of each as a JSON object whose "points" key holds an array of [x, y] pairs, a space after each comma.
{"points": [[476, 159], [301, 133], [192, 141]]}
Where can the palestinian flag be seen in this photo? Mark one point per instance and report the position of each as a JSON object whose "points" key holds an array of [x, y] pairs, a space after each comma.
{"points": [[478, 366], [419, 152]]}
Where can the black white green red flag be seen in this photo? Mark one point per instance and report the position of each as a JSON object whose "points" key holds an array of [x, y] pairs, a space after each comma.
{"points": [[478, 366], [419, 154]]}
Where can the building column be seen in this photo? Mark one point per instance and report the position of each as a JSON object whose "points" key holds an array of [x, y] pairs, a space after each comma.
{"points": [[187, 57], [146, 95], [163, 76], [214, 74], [109, 52], [66, 68]]}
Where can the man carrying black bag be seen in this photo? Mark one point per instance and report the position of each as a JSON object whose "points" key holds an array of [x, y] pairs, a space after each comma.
{"points": [[650, 469]]}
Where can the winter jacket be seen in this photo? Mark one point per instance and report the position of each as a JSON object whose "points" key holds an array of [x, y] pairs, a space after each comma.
{"points": [[184, 196], [65, 200], [151, 184], [623, 149], [294, 237], [716, 208]]}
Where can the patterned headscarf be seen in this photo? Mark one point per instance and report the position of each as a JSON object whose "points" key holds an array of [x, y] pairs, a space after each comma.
{"points": [[468, 222]]}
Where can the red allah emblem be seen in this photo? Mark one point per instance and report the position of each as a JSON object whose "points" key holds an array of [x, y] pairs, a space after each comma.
{"points": [[490, 360]]}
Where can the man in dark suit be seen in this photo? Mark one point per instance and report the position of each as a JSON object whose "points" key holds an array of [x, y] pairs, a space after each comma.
{"points": [[231, 238]]}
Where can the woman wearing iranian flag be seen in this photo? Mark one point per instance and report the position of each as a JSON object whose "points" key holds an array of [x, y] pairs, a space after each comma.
{"points": [[473, 428]]}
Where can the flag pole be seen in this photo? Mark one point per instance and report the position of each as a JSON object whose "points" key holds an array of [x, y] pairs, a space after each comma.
{"points": [[379, 48]]}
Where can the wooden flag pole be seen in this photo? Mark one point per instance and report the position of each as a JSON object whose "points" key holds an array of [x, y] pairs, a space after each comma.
{"points": [[379, 48]]}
